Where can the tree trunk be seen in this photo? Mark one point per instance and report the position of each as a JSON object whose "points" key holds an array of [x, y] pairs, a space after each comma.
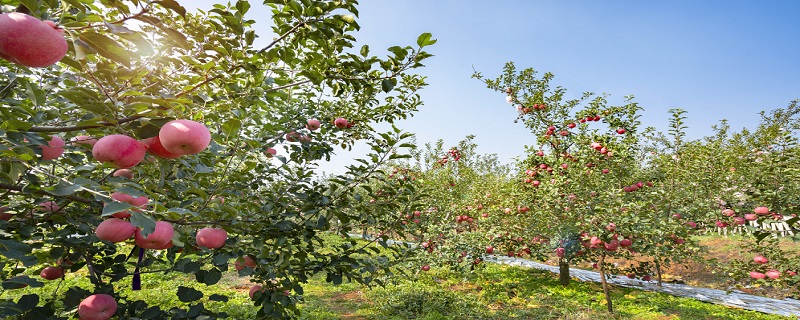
{"points": [[605, 284], [563, 272], [658, 271]]}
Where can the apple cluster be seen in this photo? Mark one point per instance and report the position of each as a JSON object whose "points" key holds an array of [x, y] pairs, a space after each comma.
{"points": [[762, 263]]}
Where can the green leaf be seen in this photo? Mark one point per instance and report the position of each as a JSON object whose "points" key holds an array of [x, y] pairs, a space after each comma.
{"points": [[218, 297], [63, 189], [28, 301], [387, 85], [425, 40], [16, 250], [210, 277], [186, 294], [147, 223], [106, 47], [21, 282], [114, 207], [172, 5]]}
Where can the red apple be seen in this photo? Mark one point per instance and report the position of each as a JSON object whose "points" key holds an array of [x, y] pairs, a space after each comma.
{"points": [[54, 148], [253, 290], [728, 212], [154, 146], [5, 215], [184, 137], [87, 140], [621, 131], [115, 230], [560, 252], [120, 150], [51, 273], [127, 173], [212, 238], [140, 201], [750, 216], [243, 262], [49, 206], [625, 242], [426, 267], [773, 274], [97, 307], [760, 259], [270, 152], [738, 221], [757, 275], [340, 123], [691, 224], [489, 250], [161, 236], [611, 227], [29, 41], [312, 124], [761, 210]]}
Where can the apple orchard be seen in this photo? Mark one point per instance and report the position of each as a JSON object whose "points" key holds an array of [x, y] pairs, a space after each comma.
{"points": [[139, 138]]}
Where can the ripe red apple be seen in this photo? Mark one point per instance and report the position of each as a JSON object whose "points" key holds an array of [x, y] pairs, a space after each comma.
{"points": [[721, 224], [140, 201], [115, 230], [612, 245], [304, 138], [761, 210], [127, 173], [97, 307], [270, 152], [605, 171], [621, 131], [87, 140], [426, 267], [184, 137], [29, 41], [625, 242], [212, 238], [691, 224], [560, 252], [677, 216], [292, 136], [728, 212], [121, 150], [340, 123], [760, 259], [757, 275], [312, 124], [489, 250], [791, 273], [51, 273], [611, 227], [49, 206], [540, 153], [243, 262], [54, 148], [161, 236], [738, 221], [5, 215], [773, 274], [750, 216], [646, 278], [571, 125], [595, 242], [154, 146], [253, 290]]}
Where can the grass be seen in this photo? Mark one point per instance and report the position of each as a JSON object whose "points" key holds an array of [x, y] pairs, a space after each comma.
{"points": [[501, 292]]}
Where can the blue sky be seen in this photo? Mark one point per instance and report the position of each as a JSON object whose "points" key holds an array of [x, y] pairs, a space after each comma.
{"points": [[715, 59]]}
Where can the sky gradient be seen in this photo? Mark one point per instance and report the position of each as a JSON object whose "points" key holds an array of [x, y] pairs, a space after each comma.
{"points": [[715, 59]]}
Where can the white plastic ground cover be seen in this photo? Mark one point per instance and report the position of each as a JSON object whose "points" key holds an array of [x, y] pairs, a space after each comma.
{"points": [[738, 299]]}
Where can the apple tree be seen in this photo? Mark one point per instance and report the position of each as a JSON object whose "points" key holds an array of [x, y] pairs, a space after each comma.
{"points": [[584, 177], [137, 138]]}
